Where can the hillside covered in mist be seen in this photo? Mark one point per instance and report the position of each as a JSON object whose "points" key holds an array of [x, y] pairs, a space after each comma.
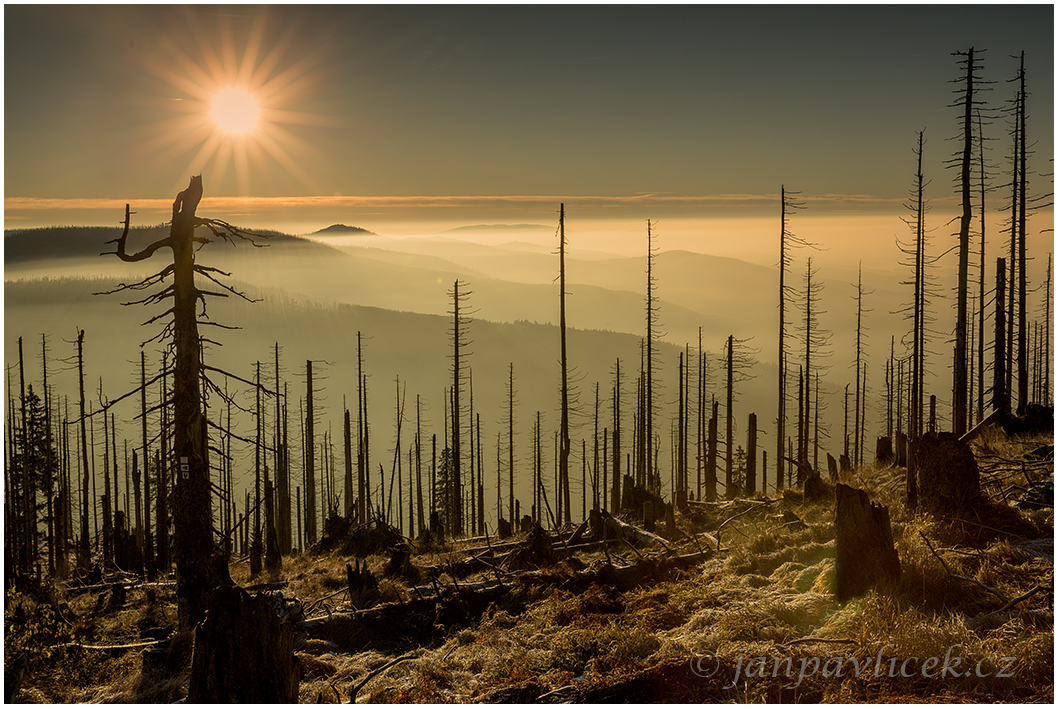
{"points": [[314, 298]]}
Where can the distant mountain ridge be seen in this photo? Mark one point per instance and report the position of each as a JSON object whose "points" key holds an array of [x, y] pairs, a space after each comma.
{"points": [[21, 245], [342, 229]]}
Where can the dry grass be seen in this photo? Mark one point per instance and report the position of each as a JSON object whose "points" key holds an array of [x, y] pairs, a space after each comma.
{"points": [[769, 596]]}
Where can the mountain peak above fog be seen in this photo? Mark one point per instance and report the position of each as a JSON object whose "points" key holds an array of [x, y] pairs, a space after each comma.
{"points": [[342, 229]]}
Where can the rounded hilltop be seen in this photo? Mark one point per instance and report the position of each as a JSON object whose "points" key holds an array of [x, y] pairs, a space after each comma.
{"points": [[342, 229]]}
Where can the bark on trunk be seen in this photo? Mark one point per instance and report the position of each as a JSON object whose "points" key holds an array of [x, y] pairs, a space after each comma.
{"points": [[243, 653], [865, 556]]}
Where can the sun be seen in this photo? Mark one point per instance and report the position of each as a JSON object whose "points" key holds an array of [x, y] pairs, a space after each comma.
{"points": [[235, 111], [232, 104]]}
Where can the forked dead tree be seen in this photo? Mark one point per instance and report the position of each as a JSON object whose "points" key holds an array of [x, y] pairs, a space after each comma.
{"points": [[200, 566]]}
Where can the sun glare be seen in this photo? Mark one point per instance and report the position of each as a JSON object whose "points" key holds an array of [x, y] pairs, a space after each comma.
{"points": [[235, 111], [232, 104]]}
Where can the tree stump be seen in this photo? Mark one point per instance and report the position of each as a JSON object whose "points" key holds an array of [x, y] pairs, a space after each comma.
{"points": [[901, 449], [883, 450], [255, 558], [865, 556], [362, 585], [832, 468], [670, 522], [948, 481], [815, 489], [503, 528], [844, 463], [243, 653]]}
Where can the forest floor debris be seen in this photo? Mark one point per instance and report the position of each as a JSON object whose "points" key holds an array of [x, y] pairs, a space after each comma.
{"points": [[970, 619]]}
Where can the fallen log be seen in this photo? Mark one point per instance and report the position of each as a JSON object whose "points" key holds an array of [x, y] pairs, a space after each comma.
{"points": [[634, 533], [575, 537]]}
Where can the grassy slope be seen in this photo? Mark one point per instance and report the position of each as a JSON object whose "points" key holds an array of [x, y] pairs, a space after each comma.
{"points": [[762, 597]]}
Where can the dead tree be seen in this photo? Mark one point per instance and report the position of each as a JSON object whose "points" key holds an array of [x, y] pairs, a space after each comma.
{"points": [[282, 465], [652, 334], [84, 551], [460, 321], [922, 289], [861, 366], [966, 103], [739, 361], [615, 494], [564, 444], [1023, 374], [816, 352], [201, 568], [787, 241], [510, 446], [310, 458], [1000, 393]]}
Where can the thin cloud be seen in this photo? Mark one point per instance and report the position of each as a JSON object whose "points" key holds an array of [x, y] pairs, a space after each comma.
{"points": [[16, 204]]}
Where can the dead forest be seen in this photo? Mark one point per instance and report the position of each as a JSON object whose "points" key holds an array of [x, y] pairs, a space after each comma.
{"points": [[632, 556]]}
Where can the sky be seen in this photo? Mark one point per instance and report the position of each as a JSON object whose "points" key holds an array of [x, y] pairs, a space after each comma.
{"points": [[394, 116]]}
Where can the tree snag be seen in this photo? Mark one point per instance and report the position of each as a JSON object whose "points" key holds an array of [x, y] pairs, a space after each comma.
{"points": [[243, 653], [865, 556], [946, 471], [200, 566]]}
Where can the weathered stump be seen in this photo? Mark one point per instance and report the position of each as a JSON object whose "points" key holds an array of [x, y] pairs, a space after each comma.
{"points": [[901, 449], [243, 653], [670, 522], [948, 481], [844, 463], [435, 525], [648, 516], [399, 564], [815, 489], [595, 523], [883, 450], [362, 585], [832, 468], [865, 556], [503, 528], [255, 557]]}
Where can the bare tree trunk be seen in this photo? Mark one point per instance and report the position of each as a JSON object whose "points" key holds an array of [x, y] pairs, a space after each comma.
{"points": [[418, 465], [710, 464], [981, 283], [510, 446], [85, 554], [960, 374], [1000, 394], [310, 459], [615, 498], [1023, 374], [564, 444], [162, 469], [751, 457], [648, 409]]}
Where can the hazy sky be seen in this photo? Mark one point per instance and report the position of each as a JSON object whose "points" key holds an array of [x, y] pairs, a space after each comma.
{"points": [[624, 111]]}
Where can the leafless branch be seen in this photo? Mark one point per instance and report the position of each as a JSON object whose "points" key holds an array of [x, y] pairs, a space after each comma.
{"points": [[146, 253]]}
